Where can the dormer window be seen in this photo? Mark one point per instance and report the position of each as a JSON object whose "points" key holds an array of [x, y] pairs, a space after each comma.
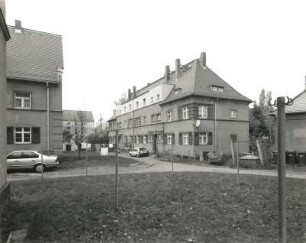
{"points": [[217, 88]]}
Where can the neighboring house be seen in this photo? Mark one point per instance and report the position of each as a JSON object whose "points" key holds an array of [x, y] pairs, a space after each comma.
{"points": [[34, 68], [296, 124], [188, 111], [72, 120], [4, 37]]}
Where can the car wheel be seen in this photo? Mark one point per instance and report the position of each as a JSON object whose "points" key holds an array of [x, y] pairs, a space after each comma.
{"points": [[130, 155], [39, 168]]}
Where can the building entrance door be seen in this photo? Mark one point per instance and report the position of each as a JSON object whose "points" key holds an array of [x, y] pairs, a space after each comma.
{"points": [[154, 143]]}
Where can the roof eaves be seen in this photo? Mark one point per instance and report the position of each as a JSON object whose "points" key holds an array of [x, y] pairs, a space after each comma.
{"points": [[32, 80]]}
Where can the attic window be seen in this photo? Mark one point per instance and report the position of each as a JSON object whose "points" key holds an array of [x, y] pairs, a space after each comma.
{"points": [[177, 91], [217, 88]]}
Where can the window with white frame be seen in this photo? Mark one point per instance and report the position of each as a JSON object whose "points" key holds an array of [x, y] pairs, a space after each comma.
{"points": [[22, 135], [203, 111], [203, 138], [169, 138], [137, 139], [145, 139], [169, 115], [22, 100], [185, 112], [185, 138], [153, 118], [234, 114], [158, 117]]}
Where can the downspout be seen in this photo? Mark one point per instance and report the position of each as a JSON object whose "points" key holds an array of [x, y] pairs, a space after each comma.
{"points": [[48, 118], [215, 126]]}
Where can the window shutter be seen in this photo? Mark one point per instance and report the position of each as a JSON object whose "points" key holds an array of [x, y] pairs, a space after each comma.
{"points": [[196, 138], [173, 138], [210, 138], [211, 112], [165, 138], [180, 113], [141, 139], [190, 138], [10, 135], [35, 135], [180, 138]]}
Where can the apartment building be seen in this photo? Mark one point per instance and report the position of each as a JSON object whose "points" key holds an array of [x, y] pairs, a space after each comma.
{"points": [[34, 68], [76, 119], [187, 111]]}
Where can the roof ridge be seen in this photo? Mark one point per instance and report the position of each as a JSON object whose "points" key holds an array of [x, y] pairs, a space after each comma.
{"points": [[36, 31]]}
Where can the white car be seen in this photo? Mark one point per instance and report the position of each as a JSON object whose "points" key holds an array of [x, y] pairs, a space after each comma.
{"points": [[137, 152], [30, 159]]}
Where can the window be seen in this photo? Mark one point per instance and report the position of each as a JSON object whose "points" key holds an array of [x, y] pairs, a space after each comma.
{"points": [[29, 155], [203, 111], [130, 107], [137, 104], [203, 138], [185, 138], [145, 139], [144, 120], [124, 109], [169, 138], [22, 135], [22, 100], [144, 102], [186, 113], [158, 117], [169, 115], [137, 139], [234, 114], [137, 122], [153, 118], [152, 99], [157, 97]]}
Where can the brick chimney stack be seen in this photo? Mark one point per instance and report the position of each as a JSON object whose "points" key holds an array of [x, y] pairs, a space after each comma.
{"points": [[18, 27], [177, 68], [167, 73], [203, 59], [129, 94]]}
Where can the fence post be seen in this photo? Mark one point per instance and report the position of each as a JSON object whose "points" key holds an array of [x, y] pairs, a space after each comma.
{"points": [[281, 168], [116, 171]]}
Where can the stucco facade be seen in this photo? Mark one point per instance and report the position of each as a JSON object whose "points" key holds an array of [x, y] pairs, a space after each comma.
{"points": [[187, 112]]}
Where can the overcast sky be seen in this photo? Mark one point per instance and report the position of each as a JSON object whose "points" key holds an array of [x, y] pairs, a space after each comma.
{"points": [[109, 46]]}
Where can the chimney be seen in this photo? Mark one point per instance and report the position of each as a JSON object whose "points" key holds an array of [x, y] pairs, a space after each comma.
{"points": [[134, 92], [177, 68], [129, 94], [167, 73], [203, 59], [18, 27]]}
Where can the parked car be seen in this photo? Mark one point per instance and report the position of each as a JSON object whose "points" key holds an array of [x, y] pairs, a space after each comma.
{"points": [[137, 152], [29, 159]]}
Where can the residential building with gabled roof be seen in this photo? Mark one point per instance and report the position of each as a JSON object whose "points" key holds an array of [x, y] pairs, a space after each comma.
{"points": [[188, 111], [296, 124], [34, 69]]}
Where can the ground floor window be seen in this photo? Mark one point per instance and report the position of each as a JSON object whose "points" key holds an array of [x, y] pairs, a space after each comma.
{"points": [[185, 138], [169, 138], [22, 135], [203, 138]]}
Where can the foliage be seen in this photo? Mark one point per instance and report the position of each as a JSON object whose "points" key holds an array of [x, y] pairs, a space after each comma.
{"points": [[99, 134]]}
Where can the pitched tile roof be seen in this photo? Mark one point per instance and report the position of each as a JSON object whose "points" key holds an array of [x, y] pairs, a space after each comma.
{"points": [[299, 104], [33, 55], [72, 115], [198, 80]]}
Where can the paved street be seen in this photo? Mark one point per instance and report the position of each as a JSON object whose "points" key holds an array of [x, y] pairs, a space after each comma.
{"points": [[147, 165]]}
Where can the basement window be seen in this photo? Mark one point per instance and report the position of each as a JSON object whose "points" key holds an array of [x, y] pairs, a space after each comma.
{"points": [[177, 91]]}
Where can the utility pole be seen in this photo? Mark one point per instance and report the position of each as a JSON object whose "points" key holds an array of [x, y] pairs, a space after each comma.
{"points": [[281, 168], [116, 171], [280, 103]]}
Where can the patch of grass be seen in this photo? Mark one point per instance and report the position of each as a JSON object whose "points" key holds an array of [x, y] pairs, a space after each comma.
{"points": [[164, 207], [71, 160]]}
